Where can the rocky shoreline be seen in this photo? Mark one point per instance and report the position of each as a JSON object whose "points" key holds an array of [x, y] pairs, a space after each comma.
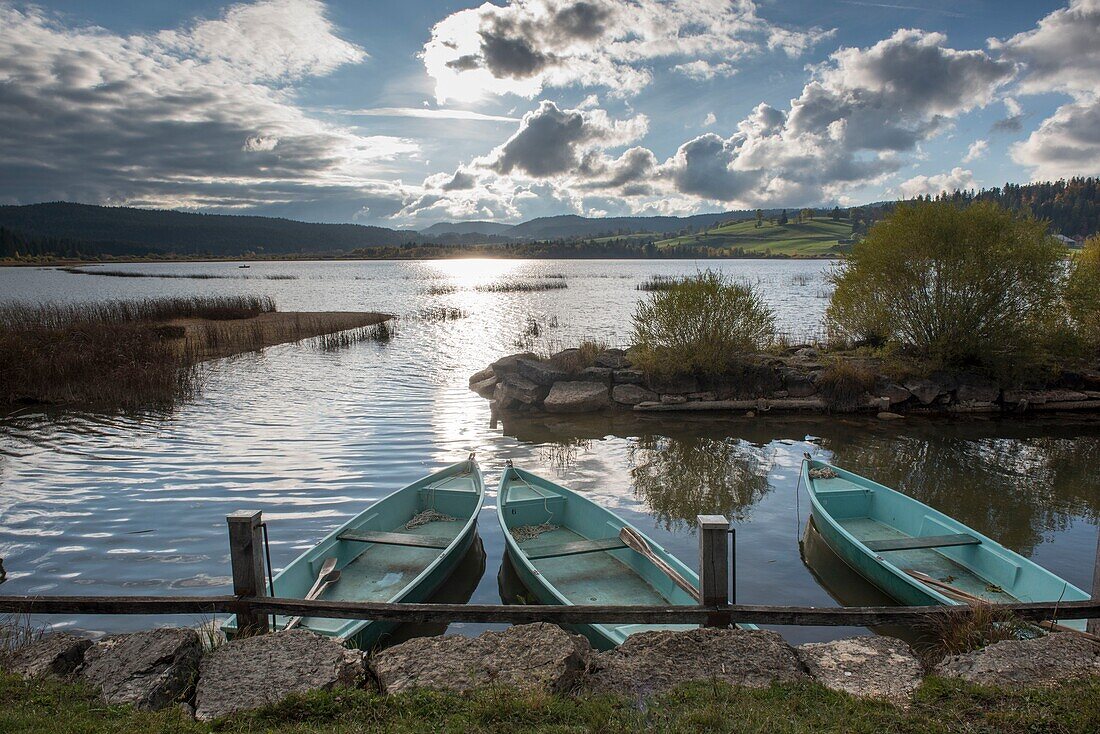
{"points": [[156, 669], [801, 379]]}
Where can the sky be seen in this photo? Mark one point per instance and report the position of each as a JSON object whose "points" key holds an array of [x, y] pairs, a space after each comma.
{"points": [[402, 114]]}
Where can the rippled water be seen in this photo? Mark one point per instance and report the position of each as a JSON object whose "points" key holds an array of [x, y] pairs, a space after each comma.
{"points": [[136, 504]]}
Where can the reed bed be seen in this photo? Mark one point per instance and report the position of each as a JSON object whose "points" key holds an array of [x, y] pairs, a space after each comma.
{"points": [[659, 283], [523, 286], [439, 314], [177, 276], [441, 289], [381, 333]]}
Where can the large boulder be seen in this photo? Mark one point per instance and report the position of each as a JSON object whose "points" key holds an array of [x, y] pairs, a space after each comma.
{"points": [[508, 365], [893, 392], [628, 377], [53, 656], [576, 397], [611, 359], [595, 374], [926, 391], [632, 395], [253, 672], [532, 657], [485, 388], [521, 390], [976, 389], [797, 383], [1043, 661], [481, 376], [539, 372], [149, 670], [870, 667], [651, 662], [674, 384]]}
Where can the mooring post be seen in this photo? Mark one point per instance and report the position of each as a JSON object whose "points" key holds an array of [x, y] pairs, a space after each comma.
{"points": [[1093, 625], [714, 574], [246, 555]]}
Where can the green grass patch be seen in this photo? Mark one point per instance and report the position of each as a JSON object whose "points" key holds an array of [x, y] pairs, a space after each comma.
{"points": [[812, 238], [940, 706]]}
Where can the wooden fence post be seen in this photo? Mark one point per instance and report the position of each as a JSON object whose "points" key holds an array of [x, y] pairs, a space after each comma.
{"points": [[1093, 625], [714, 576], [246, 554]]}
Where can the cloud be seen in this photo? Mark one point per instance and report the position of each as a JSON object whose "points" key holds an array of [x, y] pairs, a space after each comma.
{"points": [[976, 150], [1061, 54], [710, 119], [958, 179], [701, 70], [201, 116], [423, 113], [550, 141], [527, 45]]}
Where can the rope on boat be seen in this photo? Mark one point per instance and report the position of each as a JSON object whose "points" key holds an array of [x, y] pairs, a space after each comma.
{"points": [[428, 516], [823, 473], [524, 533]]}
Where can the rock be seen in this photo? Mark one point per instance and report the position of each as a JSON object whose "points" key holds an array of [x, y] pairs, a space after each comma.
{"points": [[521, 389], [781, 394], [808, 353], [1043, 661], [502, 400], [870, 667], [893, 392], [187, 709], [537, 656], [595, 374], [673, 399], [55, 656], [702, 396], [652, 662], [628, 377], [150, 670], [507, 365], [926, 391], [576, 397], [798, 384], [678, 385], [1042, 397], [632, 394], [486, 387], [481, 376], [976, 389], [253, 672], [885, 415], [611, 358], [540, 373]]}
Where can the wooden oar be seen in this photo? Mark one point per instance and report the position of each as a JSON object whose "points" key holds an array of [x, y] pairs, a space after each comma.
{"points": [[327, 576], [636, 542], [972, 599]]}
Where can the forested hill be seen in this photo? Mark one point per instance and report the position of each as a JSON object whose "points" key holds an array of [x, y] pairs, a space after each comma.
{"points": [[114, 230], [1072, 207]]}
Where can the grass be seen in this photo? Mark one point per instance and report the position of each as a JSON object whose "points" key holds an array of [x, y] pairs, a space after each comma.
{"points": [[844, 383], [659, 283], [523, 286], [381, 332], [179, 276], [814, 237], [442, 313], [940, 706], [980, 625]]}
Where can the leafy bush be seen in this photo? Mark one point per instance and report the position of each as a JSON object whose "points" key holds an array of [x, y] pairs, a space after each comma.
{"points": [[1083, 293], [699, 326], [975, 286]]}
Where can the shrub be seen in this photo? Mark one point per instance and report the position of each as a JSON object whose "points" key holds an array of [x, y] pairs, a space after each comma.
{"points": [[700, 326], [1083, 293], [844, 383], [974, 286]]}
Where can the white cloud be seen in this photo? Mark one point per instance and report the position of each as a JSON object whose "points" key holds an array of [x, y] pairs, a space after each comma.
{"points": [[958, 179], [701, 70], [423, 113], [709, 120], [201, 116], [527, 45], [976, 150], [1065, 144]]}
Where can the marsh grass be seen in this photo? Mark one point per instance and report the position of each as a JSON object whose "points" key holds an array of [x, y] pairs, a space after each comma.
{"points": [[969, 628], [584, 355], [380, 332], [115, 355], [17, 631], [659, 283], [523, 286], [440, 289], [844, 383], [176, 276], [437, 314]]}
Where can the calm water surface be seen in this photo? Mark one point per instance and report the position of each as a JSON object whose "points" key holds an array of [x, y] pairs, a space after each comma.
{"points": [[93, 504]]}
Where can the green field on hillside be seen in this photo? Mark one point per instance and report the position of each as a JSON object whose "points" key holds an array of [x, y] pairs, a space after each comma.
{"points": [[819, 236]]}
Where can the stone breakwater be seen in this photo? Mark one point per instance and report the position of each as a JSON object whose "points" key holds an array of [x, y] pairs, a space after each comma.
{"points": [[801, 379], [169, 667]]}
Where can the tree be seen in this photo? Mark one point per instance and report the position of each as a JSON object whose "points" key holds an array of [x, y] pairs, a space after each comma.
{"points": [[1083, 293], [759, 217], [835, 214], [976, 286], [783, 217]]}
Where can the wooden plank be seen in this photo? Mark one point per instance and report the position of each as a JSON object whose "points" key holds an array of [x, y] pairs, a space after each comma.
{"points": [[557, 550], [246, 558], [925, 541], [522, 614], [383, 538], [714, 574]]}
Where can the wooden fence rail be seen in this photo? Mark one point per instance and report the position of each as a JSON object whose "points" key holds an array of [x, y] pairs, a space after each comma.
{"points": [[522, 614]]}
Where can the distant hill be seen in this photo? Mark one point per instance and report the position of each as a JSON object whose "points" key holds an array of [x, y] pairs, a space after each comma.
{"points": [[120, 228], [571, 225], [813, 237], [487, 228]]}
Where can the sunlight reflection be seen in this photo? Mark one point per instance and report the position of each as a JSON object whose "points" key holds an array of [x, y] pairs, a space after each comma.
{"points": [[474, 271]]}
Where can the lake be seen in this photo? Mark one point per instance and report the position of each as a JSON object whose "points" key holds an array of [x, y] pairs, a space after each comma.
{"points": [[136, 504]]}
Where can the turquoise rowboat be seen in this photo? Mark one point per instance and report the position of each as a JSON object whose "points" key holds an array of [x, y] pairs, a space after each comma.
{"points": [[400, 549], [917, 555], [566, 550]]}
